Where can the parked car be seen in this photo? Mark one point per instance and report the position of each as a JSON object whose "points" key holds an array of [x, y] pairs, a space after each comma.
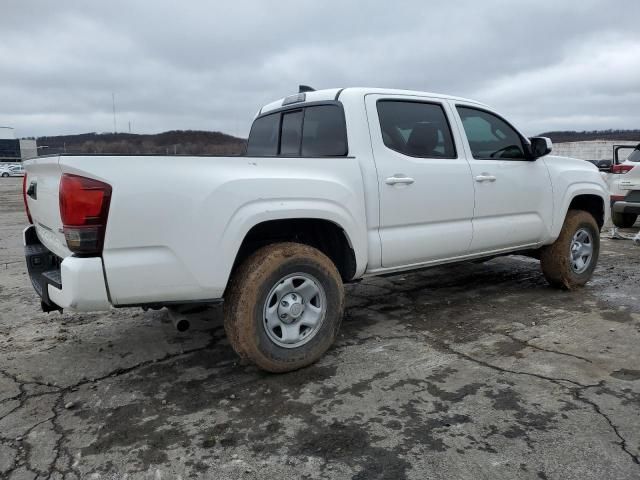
{"points": [[625, 189], [11, 170], [336, 185], [17, 170]]}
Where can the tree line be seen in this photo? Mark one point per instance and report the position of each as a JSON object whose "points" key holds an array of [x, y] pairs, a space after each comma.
{"points": [[174, 142], [585, 135]]}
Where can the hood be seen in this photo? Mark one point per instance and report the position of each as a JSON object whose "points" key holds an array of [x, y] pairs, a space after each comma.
{"points": [[570, 162]]}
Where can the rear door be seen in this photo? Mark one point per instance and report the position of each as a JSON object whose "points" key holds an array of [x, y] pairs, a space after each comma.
{"points": [[424, 180], [513, 196]]}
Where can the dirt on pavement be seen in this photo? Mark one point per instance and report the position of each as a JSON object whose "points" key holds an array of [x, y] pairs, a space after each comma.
{"points": [[472, 371]]}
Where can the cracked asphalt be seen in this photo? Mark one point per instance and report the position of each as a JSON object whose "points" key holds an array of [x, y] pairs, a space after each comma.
{"points": [[473, 371]]}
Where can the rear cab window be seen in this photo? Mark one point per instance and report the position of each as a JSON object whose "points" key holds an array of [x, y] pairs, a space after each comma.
{"points": [[291, 133], [263, 139], [303, 131], [416, 128]]}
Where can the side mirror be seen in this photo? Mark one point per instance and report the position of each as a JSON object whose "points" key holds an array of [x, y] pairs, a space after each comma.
{"points": [[540, 146]]}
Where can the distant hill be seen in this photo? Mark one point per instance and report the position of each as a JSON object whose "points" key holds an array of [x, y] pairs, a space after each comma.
{"points": [[181, 142], [572, 136], [198, 142]]}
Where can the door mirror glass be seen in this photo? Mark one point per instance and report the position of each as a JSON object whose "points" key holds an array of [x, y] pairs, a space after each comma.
{"points": [[540, 146]]}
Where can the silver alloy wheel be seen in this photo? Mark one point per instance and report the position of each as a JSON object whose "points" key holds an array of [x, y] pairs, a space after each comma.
{"points": [[294, 310], [581, 251]]}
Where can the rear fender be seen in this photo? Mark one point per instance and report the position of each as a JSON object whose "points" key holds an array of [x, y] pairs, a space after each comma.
{"points": [[254, 213]]}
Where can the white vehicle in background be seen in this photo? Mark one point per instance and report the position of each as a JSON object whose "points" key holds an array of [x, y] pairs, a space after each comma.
{"points": [[11, 171], [336, 185], [624, 186], [17, 170]]}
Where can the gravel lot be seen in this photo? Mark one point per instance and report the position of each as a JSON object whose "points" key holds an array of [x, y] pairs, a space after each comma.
{"points": [[466, 372]]}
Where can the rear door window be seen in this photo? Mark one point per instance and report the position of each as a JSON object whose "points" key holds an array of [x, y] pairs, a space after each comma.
{"points": [[417, 129]]}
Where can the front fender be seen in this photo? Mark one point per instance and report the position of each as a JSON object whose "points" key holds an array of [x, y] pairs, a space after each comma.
{"points": [[572, 191]]}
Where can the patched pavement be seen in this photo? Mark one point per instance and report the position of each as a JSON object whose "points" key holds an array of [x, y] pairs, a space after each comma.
{"points": [[471, 371]]}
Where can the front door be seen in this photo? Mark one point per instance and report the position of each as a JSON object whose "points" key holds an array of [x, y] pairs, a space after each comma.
{"points": [[424, 180], [513, 196]]}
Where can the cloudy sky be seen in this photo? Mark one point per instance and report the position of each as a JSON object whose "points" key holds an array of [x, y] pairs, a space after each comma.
{"points": [[210, 65]]}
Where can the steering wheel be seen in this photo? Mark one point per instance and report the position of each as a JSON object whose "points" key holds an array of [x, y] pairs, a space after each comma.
{"points": [[504, 149]]}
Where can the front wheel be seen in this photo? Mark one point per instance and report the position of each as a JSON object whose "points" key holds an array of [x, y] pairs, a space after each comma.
{"points": [[5, 174], [569, 262], [284, 307], [623, 220]]}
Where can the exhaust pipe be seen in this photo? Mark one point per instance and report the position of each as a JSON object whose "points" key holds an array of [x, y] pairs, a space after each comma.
{"points": [[179, 320]]}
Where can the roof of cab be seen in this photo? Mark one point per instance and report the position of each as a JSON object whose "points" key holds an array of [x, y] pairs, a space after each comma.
{"points": [[334, 93]]}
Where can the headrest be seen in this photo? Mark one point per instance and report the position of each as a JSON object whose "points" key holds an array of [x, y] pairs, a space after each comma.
{"points": [[423, 139]]}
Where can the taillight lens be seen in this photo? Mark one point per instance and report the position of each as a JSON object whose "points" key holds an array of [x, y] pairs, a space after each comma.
{"points": [[622, 168], [84, 208], [24, 197]]}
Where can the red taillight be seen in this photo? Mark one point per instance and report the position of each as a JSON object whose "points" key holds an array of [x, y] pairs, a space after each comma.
{"points": [[622, 168], [616, 198], [24, 197], [84, 208]]}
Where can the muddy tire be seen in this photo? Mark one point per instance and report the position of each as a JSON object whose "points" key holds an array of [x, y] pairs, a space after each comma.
{"points": [[623, 220], [284, 306], [570, 261]]}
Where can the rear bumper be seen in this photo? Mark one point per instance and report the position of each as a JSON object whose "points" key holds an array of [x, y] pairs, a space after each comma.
{"points": [[74, 283], [626, 207]]}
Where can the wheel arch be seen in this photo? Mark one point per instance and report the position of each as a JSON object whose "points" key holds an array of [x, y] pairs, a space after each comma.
{"points": [[583, 196], [590, 203], [326, 235]]}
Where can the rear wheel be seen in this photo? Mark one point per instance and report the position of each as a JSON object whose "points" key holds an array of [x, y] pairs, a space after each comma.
{"points": [[569, 262], [284, 307], [623, 220]]}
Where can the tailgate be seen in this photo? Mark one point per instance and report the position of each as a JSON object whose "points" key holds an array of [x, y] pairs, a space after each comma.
{"points": [[43, 181]]}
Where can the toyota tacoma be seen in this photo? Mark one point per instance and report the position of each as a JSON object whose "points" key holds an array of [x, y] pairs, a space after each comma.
{"points": [[336, 185]]}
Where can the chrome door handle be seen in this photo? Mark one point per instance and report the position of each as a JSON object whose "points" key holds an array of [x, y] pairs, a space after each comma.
{"points": [[485, 178], [399, 180]]}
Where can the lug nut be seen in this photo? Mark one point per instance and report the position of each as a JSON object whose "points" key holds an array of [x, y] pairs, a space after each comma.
{"points": [[284, 303], [294, 297], [284, 315]]}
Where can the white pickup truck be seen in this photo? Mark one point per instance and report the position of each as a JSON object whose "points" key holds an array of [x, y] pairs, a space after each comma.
{"points": [[336, 185]]}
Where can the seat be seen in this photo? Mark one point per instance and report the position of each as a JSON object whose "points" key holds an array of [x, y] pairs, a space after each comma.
{"points": [[423, 140]]}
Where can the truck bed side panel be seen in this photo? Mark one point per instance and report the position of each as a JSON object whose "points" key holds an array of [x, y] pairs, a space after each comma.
{"points": [[176, 223]]}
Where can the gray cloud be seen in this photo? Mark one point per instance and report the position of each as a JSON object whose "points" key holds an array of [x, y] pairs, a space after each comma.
{"points": [[211, 65]]}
